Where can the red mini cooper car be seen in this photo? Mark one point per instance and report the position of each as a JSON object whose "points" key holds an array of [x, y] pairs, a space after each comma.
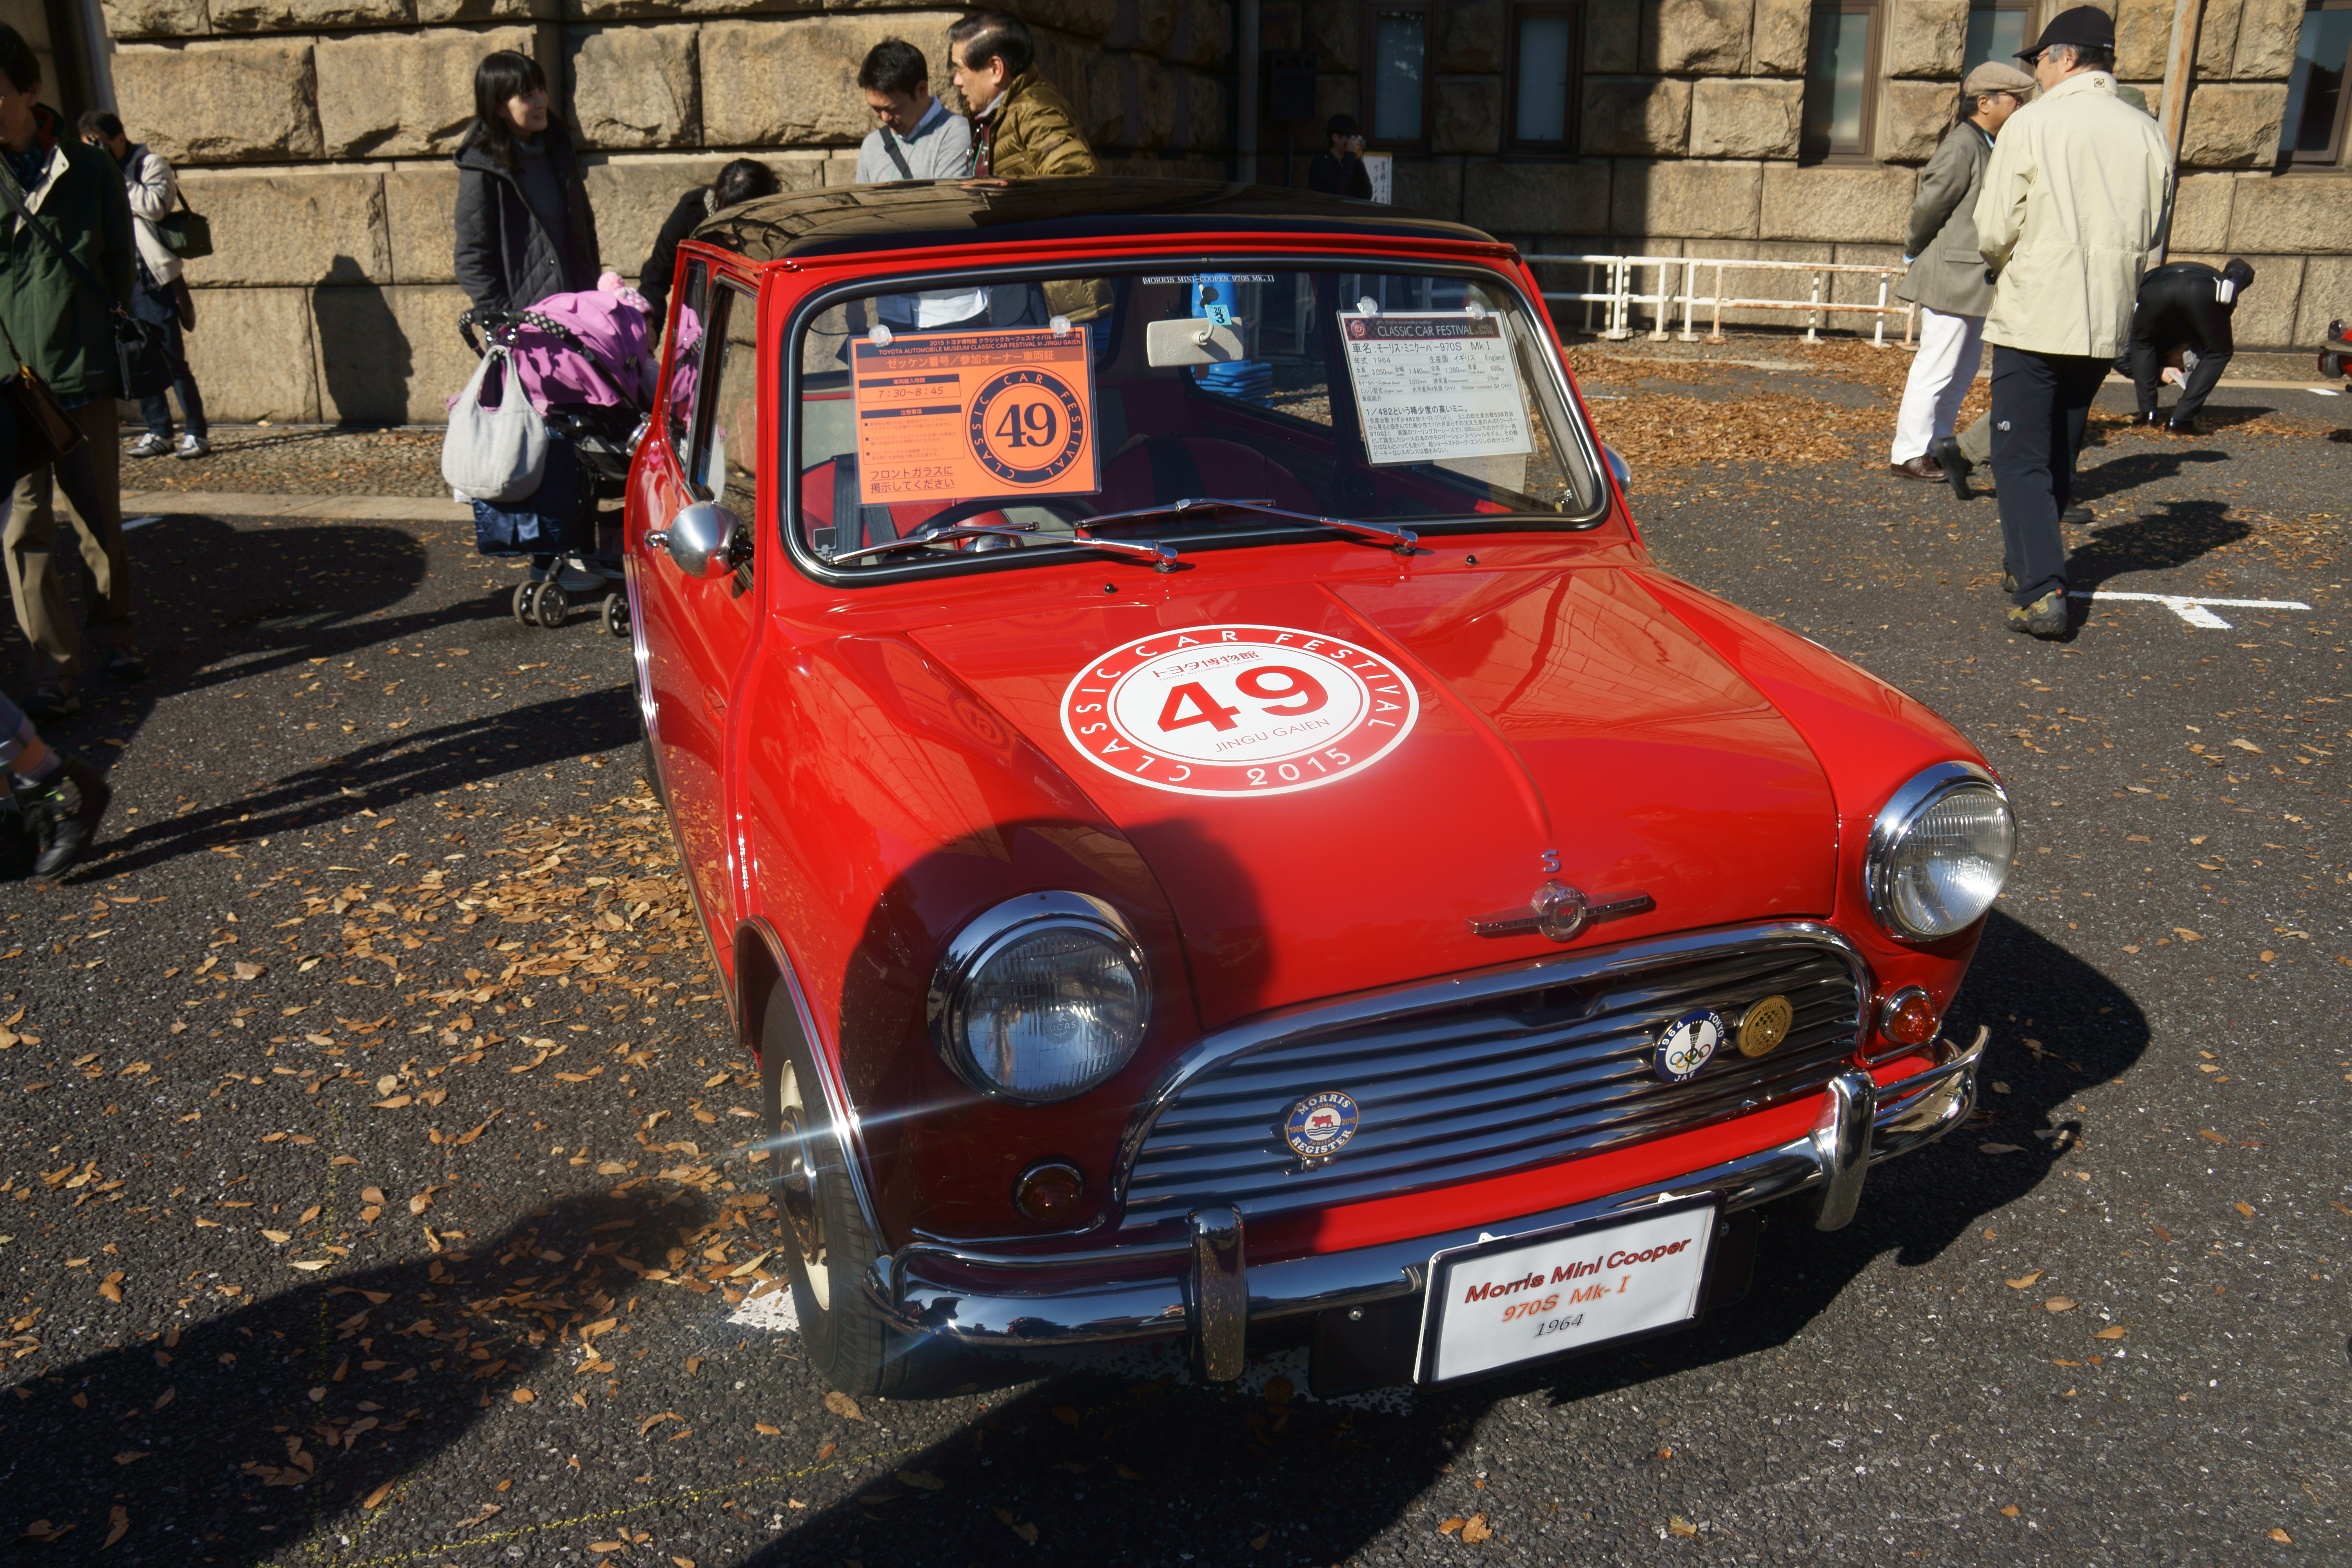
{"points": [[1211, 820]]}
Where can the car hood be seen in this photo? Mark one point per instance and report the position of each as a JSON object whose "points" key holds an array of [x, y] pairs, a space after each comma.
{"points": [[1562, 724]]}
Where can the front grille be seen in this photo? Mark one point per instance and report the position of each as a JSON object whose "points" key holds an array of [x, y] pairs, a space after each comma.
{"points": [[1463, 1090]]}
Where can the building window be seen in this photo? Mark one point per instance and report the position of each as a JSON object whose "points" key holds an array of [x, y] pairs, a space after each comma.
{"points": [[2316, 95], [1543, 76], [1841, 92], [1996, 32], [1399, 74]]}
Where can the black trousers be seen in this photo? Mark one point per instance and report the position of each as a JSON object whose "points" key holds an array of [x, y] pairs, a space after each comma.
{"points": [[2179, 309], [2039, 402]]}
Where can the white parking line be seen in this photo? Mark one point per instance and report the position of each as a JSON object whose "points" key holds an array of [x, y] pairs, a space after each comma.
{"points": [[2192, 607]]}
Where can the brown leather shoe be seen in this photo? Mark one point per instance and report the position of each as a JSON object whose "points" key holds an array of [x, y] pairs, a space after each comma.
{"points": [[1926, 471]]}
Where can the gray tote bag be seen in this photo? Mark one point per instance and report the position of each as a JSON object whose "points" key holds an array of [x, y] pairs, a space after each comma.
{"points": [[494, 454]]}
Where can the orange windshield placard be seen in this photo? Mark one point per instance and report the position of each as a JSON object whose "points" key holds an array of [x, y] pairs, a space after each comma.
{"points": [[946, 417]]}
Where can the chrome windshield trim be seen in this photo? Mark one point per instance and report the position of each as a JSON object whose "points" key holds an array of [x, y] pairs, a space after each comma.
{"points": [[1371, 1007], [1423, 256]]}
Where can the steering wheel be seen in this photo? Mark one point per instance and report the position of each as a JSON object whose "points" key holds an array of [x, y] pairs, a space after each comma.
{"points": [[1067, 508]]}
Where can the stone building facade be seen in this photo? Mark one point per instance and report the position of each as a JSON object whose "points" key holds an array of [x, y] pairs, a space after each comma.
{"points": [[316, 136]]}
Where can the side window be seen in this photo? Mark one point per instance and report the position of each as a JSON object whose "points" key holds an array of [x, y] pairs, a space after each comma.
{"points": [[686, 354], [725, 465]]}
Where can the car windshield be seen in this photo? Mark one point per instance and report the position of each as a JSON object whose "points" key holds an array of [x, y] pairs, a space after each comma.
{"points": [[972, 417]]}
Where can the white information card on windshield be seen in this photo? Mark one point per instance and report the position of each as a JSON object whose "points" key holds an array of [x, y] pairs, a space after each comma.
{"points": [[1436, 385]]}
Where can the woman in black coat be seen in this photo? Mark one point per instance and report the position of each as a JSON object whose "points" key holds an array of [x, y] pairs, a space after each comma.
{"points": [[740, 181], [524, 227]]}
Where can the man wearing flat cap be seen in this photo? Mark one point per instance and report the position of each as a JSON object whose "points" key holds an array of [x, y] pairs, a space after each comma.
{"points": [[1946, 279], [2074, 201]]}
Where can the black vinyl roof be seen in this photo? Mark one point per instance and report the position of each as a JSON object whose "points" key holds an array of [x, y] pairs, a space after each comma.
{"points": [[913, 214]]}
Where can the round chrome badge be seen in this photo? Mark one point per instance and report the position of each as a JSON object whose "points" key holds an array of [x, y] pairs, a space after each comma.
{"points": [[1686, 1045], [1320, 1125]]}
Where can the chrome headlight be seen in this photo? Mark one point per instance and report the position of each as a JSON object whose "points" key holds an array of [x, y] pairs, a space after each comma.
{"points": [[1939, 852], [1041, 998]]}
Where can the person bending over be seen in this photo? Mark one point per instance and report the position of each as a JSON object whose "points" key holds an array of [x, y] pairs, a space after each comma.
{"points": [[2183, 315]]}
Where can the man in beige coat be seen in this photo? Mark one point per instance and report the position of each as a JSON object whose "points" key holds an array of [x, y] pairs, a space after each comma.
{"points": [[2075, 200]]}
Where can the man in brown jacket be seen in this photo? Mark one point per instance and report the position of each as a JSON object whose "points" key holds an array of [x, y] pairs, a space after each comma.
{"points": [[1022, 127]]}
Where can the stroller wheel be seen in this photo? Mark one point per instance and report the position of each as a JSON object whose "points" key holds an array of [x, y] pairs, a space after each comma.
{"points": [[616, 615], [551, 607], [523, 596]]}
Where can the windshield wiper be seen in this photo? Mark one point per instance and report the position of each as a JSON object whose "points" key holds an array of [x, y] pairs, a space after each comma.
{"points": [[1400, 540], [1163, 558]]}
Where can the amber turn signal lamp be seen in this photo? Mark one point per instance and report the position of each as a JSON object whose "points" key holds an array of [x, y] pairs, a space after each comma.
{"points": [[1907, 1018], [1050, 1192]]}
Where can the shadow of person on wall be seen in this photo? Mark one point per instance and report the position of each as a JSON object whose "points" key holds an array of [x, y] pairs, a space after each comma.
{"points": [[365, 362], [230, 1438]]}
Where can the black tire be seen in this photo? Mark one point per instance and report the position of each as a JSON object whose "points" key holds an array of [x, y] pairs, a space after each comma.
{"points": [[553, 606], [616, 615], [828, 1250], [525, 596]]}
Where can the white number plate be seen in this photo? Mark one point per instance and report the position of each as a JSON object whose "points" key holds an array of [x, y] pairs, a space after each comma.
{"points": [[1528, 1298]]}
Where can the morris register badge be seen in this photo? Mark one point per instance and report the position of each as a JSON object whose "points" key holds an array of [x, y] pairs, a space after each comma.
{"points": [[1320, 1125]]}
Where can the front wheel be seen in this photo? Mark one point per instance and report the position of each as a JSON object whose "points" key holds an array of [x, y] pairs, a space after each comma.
{"points": [[828, 1248]]}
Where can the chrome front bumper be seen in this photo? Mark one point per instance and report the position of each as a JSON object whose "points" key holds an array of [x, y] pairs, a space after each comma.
{"points": [[1200, 1287]]}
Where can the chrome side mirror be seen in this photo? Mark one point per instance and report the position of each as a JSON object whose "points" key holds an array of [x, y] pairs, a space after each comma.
{"points": [[702, 540], [1617, 467]]}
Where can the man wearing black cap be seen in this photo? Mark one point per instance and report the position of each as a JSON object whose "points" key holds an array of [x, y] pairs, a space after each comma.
{"points": [[2074, 203], [2184, 315]]}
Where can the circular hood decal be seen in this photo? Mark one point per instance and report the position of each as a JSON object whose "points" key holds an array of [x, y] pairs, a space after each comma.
{"points": [[1238, 710]]}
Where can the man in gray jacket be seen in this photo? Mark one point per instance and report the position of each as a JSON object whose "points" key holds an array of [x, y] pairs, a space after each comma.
{"points": [[1946, 279], [916, 139]]}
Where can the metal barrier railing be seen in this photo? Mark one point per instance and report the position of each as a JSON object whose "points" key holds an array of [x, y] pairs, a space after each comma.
{"points": [[1622, 295]]}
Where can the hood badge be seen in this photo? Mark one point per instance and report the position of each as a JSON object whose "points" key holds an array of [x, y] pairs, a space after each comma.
{"points": [[1686, 1045], [1561, 912], [1319, 1126]]}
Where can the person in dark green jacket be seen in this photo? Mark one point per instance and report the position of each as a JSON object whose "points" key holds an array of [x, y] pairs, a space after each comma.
{"points": [[60, 328]]}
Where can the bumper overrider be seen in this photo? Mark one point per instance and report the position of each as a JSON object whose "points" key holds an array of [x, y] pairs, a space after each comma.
{"points": [[1200, 1289]]}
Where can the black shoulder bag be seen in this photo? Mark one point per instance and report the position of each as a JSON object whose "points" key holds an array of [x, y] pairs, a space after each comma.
{"points": [[138, 355]]}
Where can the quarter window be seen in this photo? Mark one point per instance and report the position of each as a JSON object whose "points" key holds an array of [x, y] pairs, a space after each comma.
{"points": [[686, 354], [725, 463], [2316, 95], [1398, 71], [1543, 76], [1840, 91]]}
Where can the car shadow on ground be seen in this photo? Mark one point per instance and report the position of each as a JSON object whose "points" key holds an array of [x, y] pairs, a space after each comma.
{"points": [[219, 604], [2183, 531], [232, 1439], [379, 777], [1092, 1468]]}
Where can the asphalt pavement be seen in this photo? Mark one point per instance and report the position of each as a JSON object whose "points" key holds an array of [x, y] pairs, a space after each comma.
{"points": [[377, 1187]]}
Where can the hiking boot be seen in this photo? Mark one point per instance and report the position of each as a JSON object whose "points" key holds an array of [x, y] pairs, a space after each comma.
{"points": [[49, 703], [65, 808], [2044, 619], [151, 446], [1946, 451]]}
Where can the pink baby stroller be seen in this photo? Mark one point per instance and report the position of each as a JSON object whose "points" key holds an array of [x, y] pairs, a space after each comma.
{"points": [[585, 361]]}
